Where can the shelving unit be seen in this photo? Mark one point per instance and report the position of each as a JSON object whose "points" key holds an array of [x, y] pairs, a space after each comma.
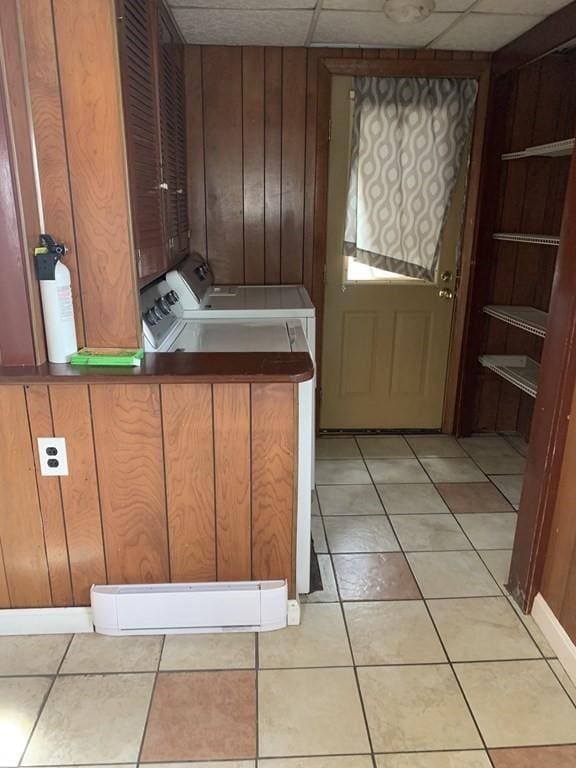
{"points": [[519, 370], [562, 148], [526, 318], [518, 237]]}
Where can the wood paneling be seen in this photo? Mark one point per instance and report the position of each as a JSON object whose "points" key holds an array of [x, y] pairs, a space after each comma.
{"points": [[195, 147], [88, 65], [49, 138], [80, 494], [189, 459], [163, 483], [128, 439], [232, 469], [273, 488], [21, 531], [222, 103], [40, 417]]}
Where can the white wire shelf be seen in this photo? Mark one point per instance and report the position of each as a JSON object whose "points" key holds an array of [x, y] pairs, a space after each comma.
{"points": [[517, 237], [562, 148], [527, 318], [519, 370]]}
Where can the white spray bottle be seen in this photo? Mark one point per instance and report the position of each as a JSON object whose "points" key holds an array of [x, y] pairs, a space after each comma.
{"points": [[57, 306]]}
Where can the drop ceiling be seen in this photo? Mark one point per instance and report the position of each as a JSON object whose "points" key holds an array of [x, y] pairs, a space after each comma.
{"points": [[473, 25]]}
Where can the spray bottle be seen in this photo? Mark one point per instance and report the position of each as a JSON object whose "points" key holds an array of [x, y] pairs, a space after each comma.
{"points": [[57, 307]]}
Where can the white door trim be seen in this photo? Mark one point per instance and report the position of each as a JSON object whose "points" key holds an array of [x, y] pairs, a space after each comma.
{"points": [[553, 631]]}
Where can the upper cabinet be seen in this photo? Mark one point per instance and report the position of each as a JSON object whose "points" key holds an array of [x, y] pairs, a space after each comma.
{"points": [[151, 62]]}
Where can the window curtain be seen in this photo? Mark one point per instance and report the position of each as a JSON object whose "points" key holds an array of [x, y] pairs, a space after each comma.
{"points": [[408, 137]]}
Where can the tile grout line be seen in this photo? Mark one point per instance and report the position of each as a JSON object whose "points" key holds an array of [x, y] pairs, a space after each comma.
{"points": [[149, 709]]}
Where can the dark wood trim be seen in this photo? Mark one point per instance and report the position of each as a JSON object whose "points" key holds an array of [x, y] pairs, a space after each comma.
{"points": [[553, 32], [175, 367], [396, 67], [551, 417]]}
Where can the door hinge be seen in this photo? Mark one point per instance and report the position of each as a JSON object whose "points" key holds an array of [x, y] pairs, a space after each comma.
{"points": [[330, 129]]}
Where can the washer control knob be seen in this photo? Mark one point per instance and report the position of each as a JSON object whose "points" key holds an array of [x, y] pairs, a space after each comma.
{"points": [[163, 306], [172, 297], [150, 317]]}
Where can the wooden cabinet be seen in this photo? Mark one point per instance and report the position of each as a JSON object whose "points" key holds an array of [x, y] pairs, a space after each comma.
{"points": [[152, 69]]}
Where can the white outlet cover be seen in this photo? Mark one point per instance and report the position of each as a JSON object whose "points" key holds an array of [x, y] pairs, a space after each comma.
{"points": [[59, 444]]}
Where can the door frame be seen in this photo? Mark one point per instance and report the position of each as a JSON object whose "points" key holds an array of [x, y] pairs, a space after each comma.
{"points": [[478, 69]]}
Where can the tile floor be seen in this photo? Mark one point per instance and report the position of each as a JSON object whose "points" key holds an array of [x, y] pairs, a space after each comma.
{"points": [[412, 656]]}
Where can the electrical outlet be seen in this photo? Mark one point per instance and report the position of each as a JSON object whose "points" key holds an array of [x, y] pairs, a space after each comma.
{"points": [[52, 453]]}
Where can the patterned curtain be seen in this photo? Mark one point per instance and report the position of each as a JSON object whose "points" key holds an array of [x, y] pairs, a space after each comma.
{"points": [[408, 138]]}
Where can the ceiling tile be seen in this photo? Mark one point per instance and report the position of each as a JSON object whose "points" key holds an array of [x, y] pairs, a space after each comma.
{"points": [[528, 7], [265, 5], [371, 29], [376, 5], [243, 27], [485, 32]]}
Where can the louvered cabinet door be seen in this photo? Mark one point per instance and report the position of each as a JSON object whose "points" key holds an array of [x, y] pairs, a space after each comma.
{"points": [[173, 135], [137, 40]]}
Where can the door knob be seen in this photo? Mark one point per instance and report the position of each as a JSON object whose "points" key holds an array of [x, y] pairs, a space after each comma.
{"points": [[446, 293]]}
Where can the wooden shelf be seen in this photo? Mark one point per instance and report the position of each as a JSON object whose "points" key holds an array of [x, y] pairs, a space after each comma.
{"points": [[562, 148], [527, 318], [519, 370], [518, 237]]}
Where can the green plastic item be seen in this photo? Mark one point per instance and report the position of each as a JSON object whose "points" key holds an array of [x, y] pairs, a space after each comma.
{"points": [[95, 356]]}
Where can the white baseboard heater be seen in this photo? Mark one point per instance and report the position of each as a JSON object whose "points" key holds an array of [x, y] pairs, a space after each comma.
{"points": [[153, 609]]}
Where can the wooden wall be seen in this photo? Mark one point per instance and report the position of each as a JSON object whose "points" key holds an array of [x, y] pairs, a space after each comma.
{"points": [[529, 106], [252, 142], [171, 482]]}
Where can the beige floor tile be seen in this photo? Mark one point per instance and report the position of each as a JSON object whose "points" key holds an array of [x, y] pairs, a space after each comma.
{"points": [[533, 629], [435, 446], [92, 719], [319, 641], [341, 472], [397, 471], [90, 653], [473, 759], [452, 574], [310, 712], [510, 486], [518, 442], [501, 465], [360, 534], [32, 654], [566, 682], [318, 536], [487, 445], [453, 471], [429, 532], [518, 703], [350, 761], [375, 576], [228, 650], [20, 702], [406, 499], [498, 563], [329, 593], [413, 708], [337, 448], [481, 629], [209, 764], [490, 530], [385, 447], [392, 633], [349, 500]]}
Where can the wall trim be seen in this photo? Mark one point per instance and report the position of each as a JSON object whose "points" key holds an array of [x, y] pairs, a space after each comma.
{"points": [[45, 621], [553, 631]]}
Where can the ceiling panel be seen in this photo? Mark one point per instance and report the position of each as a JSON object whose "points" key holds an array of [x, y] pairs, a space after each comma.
{"points": [[221, 27], [266, 5], [530, 7], [485, 32], [364, 28], [376, 5]]}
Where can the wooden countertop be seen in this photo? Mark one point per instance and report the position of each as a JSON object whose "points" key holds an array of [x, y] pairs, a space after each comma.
{"points": [[176, 367]]}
